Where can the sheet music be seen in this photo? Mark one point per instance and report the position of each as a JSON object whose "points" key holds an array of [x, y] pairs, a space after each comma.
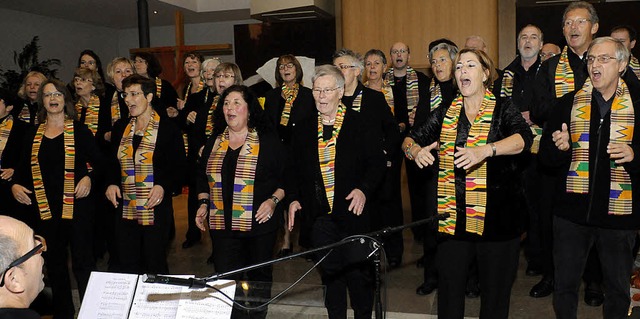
{"points": [[207, 303], [126, 296], [108, 296]]}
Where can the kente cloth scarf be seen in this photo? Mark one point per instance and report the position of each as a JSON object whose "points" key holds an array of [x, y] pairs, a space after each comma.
{"points": [[327, 153], [68, 195], [188, 92], [25, 114], [436, 94], [506, 89], [243, 182], [5, 131], [564, 78], [158, 87], [635, 66], [388, 94], [412, 87], [622, 126], [290, 94], [137, 171], [91, 117], [209, 128], [115, 108], [476, 177]]}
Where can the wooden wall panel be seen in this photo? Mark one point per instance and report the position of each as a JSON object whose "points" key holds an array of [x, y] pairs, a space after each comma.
{"points": [[368, 24]]}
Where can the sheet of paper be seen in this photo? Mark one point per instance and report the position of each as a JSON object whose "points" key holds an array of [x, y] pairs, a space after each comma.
{"points": [[155, 301], [108, 296], [207, 303]]}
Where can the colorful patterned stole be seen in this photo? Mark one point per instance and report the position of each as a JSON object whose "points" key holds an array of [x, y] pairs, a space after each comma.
{"points": [[564, 78], [5, 131], [388, 93], [25, 113], [115, 108], [209, 128], [188, 92], [91, 117], [436, 94], [622, 126], [68, 195], [327, 153], [412, 87], [476, 177], [290, 95], [158, 87], [635, 66], [137, 171], [243, 183]]}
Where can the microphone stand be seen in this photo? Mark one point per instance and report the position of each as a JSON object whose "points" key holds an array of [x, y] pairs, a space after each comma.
{"points": [[201, 282]]}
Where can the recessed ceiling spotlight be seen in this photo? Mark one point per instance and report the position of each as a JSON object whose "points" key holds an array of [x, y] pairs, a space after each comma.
{"points": [[155, 11]]}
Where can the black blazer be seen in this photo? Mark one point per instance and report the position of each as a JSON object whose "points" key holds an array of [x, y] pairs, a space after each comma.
{"points": [[302, 109], [359, 164]]}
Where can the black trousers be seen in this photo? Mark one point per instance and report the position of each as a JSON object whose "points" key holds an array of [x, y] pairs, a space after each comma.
{"points": [[570, 252], [231, 253], [62, 234], [541, 189], [418, 189], [386, 209], [344, 270], [497, 267], [143, 249]]}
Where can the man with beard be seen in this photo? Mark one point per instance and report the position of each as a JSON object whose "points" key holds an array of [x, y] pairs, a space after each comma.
{"points": [[410, 92], [557, 77], [517, 83]]}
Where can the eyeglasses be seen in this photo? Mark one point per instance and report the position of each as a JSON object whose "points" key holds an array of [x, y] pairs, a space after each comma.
{"points": [[39, 249], [53, 94], [547, 55], [132, 94], [403, 51], [602, 59], [346, 66], [286, 65], [224, 76], [318, 91], [83, 80], [577, 22]]}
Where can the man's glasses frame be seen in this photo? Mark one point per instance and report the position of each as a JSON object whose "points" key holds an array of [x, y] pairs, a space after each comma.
{"points": [[39, 249]]}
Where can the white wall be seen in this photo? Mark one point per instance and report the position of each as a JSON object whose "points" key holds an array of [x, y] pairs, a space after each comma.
{"points": [[60, 39], [64, 39]]}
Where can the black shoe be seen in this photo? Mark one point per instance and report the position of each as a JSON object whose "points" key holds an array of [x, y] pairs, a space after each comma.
{"points": [[188, 243], [472, 291], [426, 288], [533, 270], [593, 295], [420, 262], [542, 289]]}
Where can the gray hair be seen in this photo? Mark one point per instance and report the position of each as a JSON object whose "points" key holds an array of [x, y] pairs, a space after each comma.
{"points": [[533, 26], [329, 70], [622, 53], [378, 53], [206, 62], [8, 251], [356, 59], [593, 16], [453, 50]]}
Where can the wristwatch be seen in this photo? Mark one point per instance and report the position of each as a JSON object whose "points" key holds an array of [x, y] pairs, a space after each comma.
{"points": [[275, 199]]}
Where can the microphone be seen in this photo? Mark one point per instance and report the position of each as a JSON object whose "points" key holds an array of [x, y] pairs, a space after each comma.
{"points": [[185, 282]]}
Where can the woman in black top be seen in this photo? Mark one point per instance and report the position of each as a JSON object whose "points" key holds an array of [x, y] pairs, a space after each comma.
{"points": [[147, 65], [11, 141], [141, 188], [53, 179], [285, 106], [479, 185], [338, 164], [240, 184], [28, 92]]}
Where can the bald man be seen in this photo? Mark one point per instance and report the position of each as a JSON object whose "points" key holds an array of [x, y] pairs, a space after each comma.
{"points": [[549, 50], [475, 42], [21, 265]]}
